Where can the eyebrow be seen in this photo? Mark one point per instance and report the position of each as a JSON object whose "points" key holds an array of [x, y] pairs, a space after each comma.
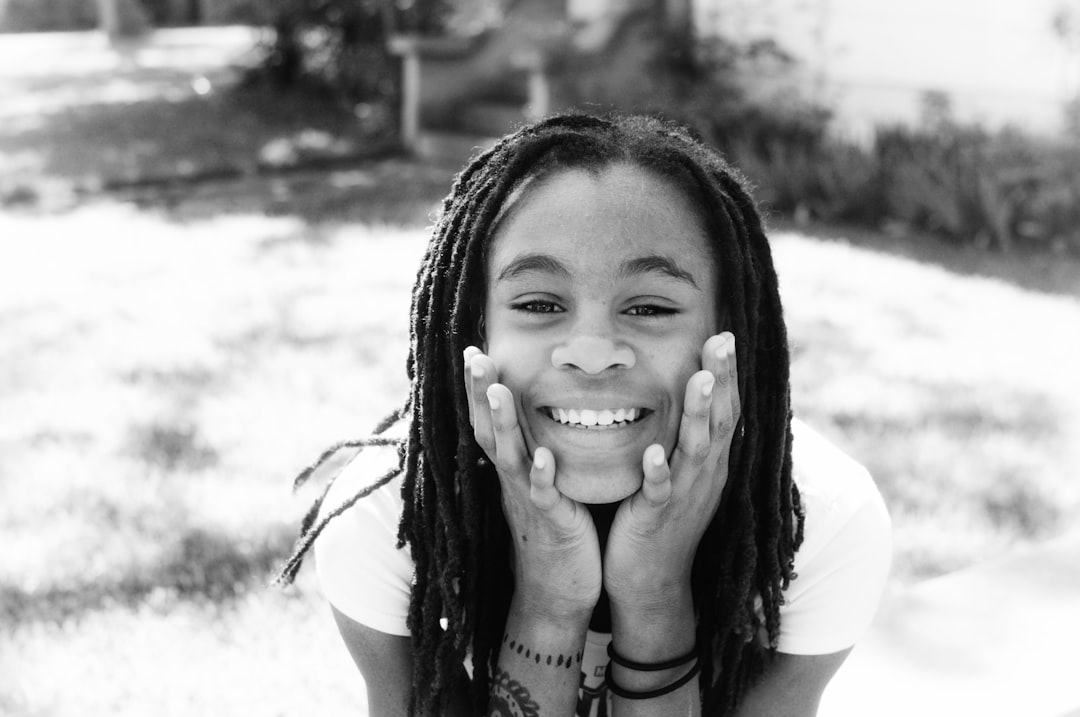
{"points": [[533, 263], [654, 263], [547, 264]]}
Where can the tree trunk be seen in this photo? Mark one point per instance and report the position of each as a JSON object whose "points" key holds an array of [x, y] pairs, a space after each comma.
{"points": [[679, 19], [119, 19], [109, 18]]}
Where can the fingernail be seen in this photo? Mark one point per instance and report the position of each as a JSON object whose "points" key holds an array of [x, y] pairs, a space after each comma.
{"points": [[477, 370], [706, 390], [658, 456], [493, 400], [539, 462]]}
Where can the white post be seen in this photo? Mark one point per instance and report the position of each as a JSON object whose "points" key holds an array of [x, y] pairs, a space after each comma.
{"points": [[539, 94], [410, 98], [109, 18]]}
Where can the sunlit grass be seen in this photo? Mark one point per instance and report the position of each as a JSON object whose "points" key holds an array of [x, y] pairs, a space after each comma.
{"points": [[168, 365], [162, 382], [958, 392], [165, 373]]}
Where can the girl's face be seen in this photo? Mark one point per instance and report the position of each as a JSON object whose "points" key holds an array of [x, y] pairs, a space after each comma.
{"points": [[601, 292]]}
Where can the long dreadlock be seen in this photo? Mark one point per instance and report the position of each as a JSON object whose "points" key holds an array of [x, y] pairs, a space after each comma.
{"points": [[452, 519]]}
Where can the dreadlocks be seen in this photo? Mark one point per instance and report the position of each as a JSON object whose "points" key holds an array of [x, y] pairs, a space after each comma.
{"points": [[452, 519]]}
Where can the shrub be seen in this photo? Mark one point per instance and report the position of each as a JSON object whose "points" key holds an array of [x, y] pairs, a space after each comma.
{"points": [[341, 45], [992, 189], [47, 15], [962, 183]]}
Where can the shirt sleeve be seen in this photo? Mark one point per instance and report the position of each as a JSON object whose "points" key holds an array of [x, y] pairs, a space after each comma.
{"points": [[361, 572], [844, 562]]}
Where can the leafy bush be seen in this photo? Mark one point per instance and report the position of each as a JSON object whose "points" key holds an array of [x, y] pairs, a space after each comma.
{"points": [[47, 15], [341, 45], [968, 185], [833, 181], [992, 189]]}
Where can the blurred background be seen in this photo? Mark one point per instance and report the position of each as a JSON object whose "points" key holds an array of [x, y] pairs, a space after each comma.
{"points": [[211, 213]]}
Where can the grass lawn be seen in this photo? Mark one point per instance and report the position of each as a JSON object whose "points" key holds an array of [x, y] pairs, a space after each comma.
{"points": [[170, 359], [166, 372]]}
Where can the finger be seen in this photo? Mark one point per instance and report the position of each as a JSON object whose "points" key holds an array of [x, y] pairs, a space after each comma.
{"points": [[694, 429], [711, 352], [481, 376], [724, 405], [470, 351], [509, 445], [542, 490], [656, 488], [733, 383]]}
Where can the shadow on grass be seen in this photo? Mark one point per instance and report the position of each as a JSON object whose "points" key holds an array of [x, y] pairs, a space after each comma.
{"points": [[960, 414], [203, 566], [394, 191], [174, 138], [996, 472], [172, 446], [1040, 271]]}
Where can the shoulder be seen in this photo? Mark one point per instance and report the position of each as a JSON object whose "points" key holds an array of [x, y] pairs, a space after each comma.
{"points": [[843, 564], [361, 571], [837, 493], [826, 476]]}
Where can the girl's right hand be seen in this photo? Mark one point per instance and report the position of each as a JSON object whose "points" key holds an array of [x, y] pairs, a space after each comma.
{"points": [[556, 553]]}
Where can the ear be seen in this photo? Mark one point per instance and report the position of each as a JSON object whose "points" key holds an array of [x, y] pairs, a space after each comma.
{"points": [[481, 333]]}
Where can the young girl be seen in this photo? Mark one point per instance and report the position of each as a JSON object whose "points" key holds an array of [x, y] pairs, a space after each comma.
{"points": [[601, 504]]}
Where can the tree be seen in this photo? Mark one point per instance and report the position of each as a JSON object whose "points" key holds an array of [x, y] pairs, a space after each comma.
{"points": [[121, 18], [341, 45]]}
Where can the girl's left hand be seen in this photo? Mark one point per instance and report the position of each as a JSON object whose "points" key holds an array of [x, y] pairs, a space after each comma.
{"points": [[655, 533]]}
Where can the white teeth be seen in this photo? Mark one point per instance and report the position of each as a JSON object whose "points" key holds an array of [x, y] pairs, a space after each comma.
{"points": [[589, 417]]}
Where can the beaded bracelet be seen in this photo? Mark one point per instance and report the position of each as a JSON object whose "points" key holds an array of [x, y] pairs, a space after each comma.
{"points": [[649, 694], [651, 666]]}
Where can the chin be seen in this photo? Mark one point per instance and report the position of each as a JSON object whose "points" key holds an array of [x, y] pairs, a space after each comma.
{"points": [[596, 485]]}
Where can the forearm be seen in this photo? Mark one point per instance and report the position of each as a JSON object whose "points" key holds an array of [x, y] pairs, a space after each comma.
{"points": [[539, 663], [650, 635]]}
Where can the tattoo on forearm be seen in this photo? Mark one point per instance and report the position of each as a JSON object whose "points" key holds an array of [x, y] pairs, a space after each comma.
{"points": [[567, 661], [509, 698]]}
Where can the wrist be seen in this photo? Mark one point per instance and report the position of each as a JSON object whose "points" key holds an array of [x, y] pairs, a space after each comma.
{"points": [[658, 602], [537, 611], [570, 606], [654, 628], [533, 636]]}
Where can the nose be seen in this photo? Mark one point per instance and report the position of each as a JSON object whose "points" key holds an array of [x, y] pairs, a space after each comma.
{"points": [[593, 354]]}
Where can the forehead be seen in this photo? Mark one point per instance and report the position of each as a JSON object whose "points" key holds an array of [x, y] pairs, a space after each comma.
{"points": [[603, 217]]}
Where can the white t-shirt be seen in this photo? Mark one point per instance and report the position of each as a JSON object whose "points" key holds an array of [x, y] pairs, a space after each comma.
{"points": [[841, 566]]}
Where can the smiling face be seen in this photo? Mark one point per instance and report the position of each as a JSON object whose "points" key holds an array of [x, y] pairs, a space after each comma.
{"points": [[601, 292]]}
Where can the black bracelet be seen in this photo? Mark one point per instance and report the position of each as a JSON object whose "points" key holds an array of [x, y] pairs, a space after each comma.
{"points": [[650, 666], [648, 694]]}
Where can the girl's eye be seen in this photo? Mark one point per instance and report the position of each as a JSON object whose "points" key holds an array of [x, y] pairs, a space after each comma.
{"points": [[536, 306], [650, 310]]}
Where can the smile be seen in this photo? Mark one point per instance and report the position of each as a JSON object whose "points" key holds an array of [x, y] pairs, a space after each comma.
{"points": [[593, 418]]}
